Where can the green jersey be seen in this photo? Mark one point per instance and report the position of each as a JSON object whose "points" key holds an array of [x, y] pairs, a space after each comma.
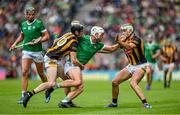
{"points": [[86, 49], [32, 31], [150, 50]]}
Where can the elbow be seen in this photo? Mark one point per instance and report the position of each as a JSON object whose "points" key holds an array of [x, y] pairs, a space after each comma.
{"points": [[47, 37], [74, 61]]}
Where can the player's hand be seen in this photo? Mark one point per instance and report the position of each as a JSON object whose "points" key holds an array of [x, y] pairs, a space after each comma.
{"points": [[35, 41], [12, 47]]}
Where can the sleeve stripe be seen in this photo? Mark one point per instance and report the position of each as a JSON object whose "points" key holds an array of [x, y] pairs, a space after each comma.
{"points": [[43, 30]]}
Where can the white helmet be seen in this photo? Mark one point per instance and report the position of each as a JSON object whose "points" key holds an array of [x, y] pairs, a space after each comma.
{"points": [[127, 27], [96, 30]]}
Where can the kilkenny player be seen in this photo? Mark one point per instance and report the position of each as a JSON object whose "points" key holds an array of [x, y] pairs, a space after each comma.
{"points": [[34, 33], [168, 55], [151, 54], [134, 50], [63, 46]]}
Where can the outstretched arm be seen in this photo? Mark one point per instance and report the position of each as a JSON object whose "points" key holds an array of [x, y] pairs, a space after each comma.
{"points": [[109, 49]]}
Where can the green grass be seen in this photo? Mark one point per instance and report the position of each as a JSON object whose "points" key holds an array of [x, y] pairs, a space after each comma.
{"points": [[96, 95]]}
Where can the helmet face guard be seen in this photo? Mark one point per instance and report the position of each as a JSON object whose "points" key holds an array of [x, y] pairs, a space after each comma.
{"points": [[76, 29], [97, 32], [29, 10], [127, 27], [30, 13]]}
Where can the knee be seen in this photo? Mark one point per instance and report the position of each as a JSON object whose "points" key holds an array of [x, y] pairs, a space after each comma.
{"points": [[81, 88], [41, 74], [25, 73], [115, 83], [133, 83], [51, 84], [78, 82]]}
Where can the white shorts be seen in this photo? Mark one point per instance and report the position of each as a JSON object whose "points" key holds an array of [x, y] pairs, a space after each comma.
{"points": [[166, 66], [152, 65], [133, 68], [51, 63], [36, 56], [68, 66]]}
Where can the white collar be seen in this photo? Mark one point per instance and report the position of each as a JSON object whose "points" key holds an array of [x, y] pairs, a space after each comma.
{"points": [[91, 41], [28, 23]]}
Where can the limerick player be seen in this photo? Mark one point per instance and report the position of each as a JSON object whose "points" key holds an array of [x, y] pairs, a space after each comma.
{"points": [[151, 54], [34, 33], [134, 50]]}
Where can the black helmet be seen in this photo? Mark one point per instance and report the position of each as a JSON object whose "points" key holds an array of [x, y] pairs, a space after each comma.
{"points": [[76, 27]]}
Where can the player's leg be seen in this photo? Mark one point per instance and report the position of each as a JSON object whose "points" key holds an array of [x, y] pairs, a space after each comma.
{"points": [[26, 64], [60, 73], [39, 62], [122, 76], [52, 73], [40, 70], [77, 82], [136, 78], [149, 71], [169, 74], [165, 78]]}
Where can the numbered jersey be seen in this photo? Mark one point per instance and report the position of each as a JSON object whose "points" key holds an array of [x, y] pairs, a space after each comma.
{"points": [[68, 42]]}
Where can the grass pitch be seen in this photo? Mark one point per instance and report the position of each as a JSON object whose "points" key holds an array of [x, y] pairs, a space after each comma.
{"points": [[96, 95]]}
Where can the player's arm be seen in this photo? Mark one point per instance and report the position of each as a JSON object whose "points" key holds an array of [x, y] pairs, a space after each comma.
{"points": [[19, 39], [109, 48], [176, 54], [75, 61], [156, 54], [162, 57], [73, 56], [126, 45], [43, 38]]}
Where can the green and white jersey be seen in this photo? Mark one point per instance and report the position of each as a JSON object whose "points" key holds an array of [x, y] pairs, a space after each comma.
{"points": [[86, 49], [150, 50], [32, 31]]}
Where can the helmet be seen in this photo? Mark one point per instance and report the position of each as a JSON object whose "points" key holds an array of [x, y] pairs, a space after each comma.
{"points": [[127, 27], [29, 9], [96, 30], [76, 27], [75, 22]]}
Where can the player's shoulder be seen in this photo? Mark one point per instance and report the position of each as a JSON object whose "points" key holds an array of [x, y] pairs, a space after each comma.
{"points": [[38, 21], [23, 22]]}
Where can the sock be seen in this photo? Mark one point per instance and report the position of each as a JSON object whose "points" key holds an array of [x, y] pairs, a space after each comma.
{"points": [[23, 93], [33, 92], [66, 99], [144, 101], [114, 101], [57, 86]]}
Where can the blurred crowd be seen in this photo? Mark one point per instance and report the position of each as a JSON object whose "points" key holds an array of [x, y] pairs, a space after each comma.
{"points": [[158, 17], [161, 17]]}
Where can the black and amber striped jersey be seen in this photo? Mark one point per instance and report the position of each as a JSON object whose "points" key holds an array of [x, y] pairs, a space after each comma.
{"points": [[68, 42], [168, 51], [135, 55]]}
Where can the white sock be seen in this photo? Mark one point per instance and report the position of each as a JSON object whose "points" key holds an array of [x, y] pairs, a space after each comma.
{"points": [[56, 86], [23, 93]]}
